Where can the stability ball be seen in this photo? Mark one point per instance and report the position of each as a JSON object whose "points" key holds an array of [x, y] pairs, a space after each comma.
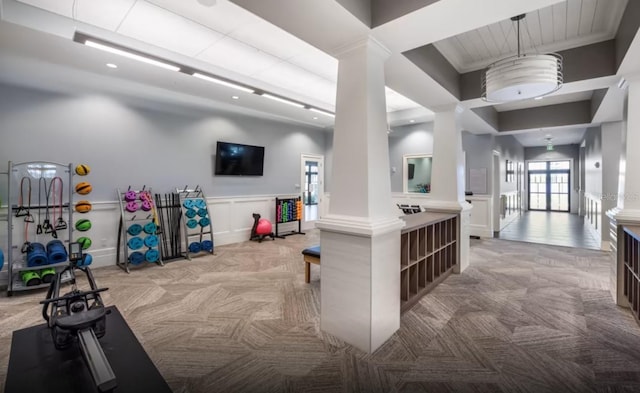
{"points": [[264, 227]]}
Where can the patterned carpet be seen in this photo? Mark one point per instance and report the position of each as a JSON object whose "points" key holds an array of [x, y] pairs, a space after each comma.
{"points": [[522, 318]]}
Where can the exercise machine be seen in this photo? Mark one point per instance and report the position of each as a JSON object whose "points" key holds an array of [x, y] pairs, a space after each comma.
{"points": [[80, 316]]}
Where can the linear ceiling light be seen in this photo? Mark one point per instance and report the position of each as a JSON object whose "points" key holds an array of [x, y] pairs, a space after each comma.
{"points": [[522, 76], [322, 112], [283, 100], [131, 55], [222, 82]]}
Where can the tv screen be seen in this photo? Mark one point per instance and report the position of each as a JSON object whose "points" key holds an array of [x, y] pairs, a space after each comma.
{"points": [[239, 160]]}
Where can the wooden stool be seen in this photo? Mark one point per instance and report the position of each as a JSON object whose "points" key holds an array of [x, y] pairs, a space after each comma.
{"points": [[311, 255]]}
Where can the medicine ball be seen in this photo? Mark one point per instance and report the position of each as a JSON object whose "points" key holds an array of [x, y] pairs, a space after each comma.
{"points": [[83, 188], [83, 206], [83, 169], [85, 242], [83, 225]]}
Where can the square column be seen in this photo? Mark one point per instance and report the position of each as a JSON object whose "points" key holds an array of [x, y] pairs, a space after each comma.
{"points": [[360, 237], [627, 211], [448, 177]]}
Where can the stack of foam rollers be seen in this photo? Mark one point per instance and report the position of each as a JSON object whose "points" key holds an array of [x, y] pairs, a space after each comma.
{"points": [[138, 235]]}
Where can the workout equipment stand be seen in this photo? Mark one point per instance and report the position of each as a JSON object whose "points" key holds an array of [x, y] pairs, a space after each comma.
{"points": [[288, 210], [20, 230], [143, 219], [195, 201]]}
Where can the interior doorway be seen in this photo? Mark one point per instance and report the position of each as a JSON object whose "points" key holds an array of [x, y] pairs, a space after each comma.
{"points": [[312, 186], [549, 185]]}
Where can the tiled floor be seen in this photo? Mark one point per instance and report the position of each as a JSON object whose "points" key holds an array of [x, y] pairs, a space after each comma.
{"points": [[560, 229]]}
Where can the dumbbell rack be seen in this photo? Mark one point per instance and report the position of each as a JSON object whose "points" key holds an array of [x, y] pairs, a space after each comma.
{"points": [[143, 220], [195, 201], [16, 261]]}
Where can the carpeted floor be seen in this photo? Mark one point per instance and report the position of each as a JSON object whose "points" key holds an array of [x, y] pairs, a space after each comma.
{"points": [[521, 318]]}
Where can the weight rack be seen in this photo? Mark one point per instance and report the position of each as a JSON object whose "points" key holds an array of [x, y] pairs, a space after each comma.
{"points": [[143, 219], [16, 261], [194, 202], [289, 210]]}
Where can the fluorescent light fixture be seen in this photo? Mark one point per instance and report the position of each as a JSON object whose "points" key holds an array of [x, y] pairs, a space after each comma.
{"points": [[111, 65], [222, 82], [622, 84], [322, 112], [130, 55], [283, 100]]}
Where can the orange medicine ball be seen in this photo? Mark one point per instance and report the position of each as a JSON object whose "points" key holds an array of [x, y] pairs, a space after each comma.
{"points": [[83, 188], [83, 206]]}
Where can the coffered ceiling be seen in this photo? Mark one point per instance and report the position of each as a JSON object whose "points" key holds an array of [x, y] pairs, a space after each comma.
{"points": [[287, 47]]}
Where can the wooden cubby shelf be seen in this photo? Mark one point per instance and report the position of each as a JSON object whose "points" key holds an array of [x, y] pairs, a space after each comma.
{"points": [[631, 254], [428, 253]]}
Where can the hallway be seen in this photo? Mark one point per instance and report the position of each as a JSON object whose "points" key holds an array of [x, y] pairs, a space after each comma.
{"points": [[554, 228]]}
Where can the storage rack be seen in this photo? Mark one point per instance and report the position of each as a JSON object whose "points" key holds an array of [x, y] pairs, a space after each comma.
{"points": [[631, 255], [195, 201], [127, 219], [428, 253], [16, 260], [288, 210]]}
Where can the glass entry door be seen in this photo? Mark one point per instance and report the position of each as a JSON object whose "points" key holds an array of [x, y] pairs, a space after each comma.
{"points": [[311, 183], [549, 185]]}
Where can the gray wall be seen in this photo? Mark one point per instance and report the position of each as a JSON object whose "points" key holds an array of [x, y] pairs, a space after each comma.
{"points": [[611, 150], [593, 154], [510, 149], [410, 139], [562, 152], [478, 154], [162, 149]]}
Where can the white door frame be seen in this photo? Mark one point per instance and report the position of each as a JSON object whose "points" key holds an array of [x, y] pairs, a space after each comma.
{"points": [[320, 160], [495, 190]]}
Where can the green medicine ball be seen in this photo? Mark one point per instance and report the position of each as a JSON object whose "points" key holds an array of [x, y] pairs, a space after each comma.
{"points": [[83, 225], [84, 241]]}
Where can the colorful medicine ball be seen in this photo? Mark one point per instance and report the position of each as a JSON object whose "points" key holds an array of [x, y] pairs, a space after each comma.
{"points": [[83, 188], [83, 206], [83, 225], [82, 169], [85, 242]]}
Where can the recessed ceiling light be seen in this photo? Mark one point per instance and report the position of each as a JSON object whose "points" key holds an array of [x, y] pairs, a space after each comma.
{"points": [[315, 117], [235, 97], [538, 98], [111, 65], [283, 100], [412, 121]]}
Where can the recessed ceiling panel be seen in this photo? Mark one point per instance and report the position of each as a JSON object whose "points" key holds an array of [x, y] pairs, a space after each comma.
{"points": [[558, 136], [292, 78], [559, 27], [159, 27], [108, 15], [62, 7], [223, 17], [271, 39], [319, 63], [236, 56]]}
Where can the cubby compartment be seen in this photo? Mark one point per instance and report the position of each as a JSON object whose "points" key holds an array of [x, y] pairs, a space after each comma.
{"points": [[631, 257], [428, 253]]}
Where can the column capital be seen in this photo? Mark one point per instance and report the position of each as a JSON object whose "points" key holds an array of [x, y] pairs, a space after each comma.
{"points": [[368, 42]]}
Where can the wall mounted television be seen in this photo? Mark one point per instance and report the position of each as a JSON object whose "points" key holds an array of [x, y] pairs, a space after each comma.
{"points": [[235, 159]]}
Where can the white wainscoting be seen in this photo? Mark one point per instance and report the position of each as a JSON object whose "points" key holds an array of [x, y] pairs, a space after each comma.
{"points": [[593, 214], [481, 223], [231, 219], [509, 208]]}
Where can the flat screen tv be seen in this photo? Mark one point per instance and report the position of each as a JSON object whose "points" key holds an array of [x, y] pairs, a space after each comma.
{"points": [[235, 159]]}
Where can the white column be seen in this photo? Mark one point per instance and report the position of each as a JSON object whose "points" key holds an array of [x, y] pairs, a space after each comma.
{"points": [[628, 210], [448, 176], [360, 237]]}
